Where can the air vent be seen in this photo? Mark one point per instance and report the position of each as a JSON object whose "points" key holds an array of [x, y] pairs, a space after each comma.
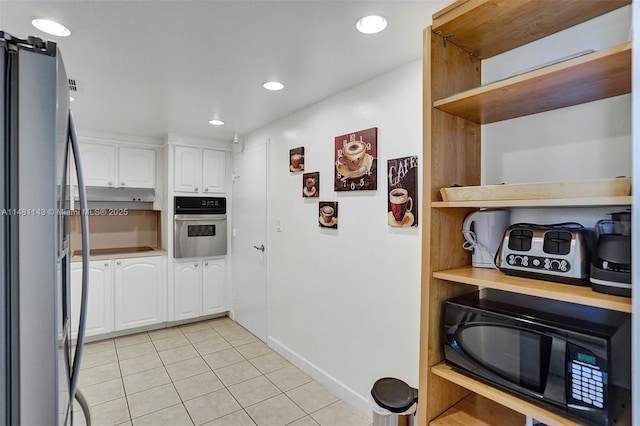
{"points": [[74, 85]]}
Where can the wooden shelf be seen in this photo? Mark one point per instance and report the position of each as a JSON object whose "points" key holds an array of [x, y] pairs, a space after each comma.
{"points": [[490, 27], [455, 106], [478, 411], [588, 78], [501, 397], [557, 202], [492, 278]]}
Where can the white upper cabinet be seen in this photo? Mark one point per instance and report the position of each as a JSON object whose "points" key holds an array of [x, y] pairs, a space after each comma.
{"points": [[213, 171], [136, 167], [199, 170], [187, 172], [99, 164], [115, 166]]}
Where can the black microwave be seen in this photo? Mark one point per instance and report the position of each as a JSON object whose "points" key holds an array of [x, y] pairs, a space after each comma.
{"points": [[571, 359]]}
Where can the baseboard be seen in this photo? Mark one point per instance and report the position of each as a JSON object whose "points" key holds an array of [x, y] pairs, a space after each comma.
{"points": [[335, 386]]}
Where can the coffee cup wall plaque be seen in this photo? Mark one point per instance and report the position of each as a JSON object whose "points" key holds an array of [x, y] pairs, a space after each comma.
{"points": [[296, 159], [311, 185], [402, 174], [328, 214], [355, 156]]}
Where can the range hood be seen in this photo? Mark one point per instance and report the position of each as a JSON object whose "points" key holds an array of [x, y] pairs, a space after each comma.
{"points": [[123, 198]]}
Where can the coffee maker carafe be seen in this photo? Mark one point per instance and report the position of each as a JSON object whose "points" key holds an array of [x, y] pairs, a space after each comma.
{"points": [[611, 263]]}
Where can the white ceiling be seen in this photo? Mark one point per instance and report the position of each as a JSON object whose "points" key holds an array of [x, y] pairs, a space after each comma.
{"points": [[149, 68]]}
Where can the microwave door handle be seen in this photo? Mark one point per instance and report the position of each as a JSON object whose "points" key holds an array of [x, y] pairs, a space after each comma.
{"points": [[84, 224]]}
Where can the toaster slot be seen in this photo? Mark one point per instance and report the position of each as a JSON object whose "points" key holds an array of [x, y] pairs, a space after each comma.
{"points": [[557, 242], [520, 239]]}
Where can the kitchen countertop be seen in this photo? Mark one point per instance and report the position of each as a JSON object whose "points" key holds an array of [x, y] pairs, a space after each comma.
{"points": [[119, 253]]}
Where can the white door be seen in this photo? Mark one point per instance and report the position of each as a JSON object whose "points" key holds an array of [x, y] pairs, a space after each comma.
{"points": [[249, 302]]}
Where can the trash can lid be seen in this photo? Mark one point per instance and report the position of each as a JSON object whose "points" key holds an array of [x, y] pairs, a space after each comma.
{"points": [[394, 394]]}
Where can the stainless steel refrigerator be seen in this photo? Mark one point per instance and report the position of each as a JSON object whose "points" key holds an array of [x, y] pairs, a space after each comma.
{"points": [[39, 358]]}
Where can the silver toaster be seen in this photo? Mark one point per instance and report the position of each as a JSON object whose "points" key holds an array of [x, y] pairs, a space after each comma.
{"points": [[560, 253]]}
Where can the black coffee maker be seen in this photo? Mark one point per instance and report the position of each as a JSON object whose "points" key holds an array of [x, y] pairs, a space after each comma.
{"points": [[611, 262]]}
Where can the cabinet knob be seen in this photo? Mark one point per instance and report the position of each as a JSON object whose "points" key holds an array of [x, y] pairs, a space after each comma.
{"points": [[206, 190], [118, 262], [195, 189], [206, 263], [109, 183], [122, 183], [106, 263], [195, 265]]}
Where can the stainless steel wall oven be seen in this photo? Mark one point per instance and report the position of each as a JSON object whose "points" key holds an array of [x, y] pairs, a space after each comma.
{"points": [[199, 227]]}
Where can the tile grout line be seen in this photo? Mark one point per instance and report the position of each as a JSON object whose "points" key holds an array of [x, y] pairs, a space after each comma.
{"points": [[201, 357]]}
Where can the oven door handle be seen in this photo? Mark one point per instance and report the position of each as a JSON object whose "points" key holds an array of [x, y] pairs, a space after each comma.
{"points": [[198, 217]]}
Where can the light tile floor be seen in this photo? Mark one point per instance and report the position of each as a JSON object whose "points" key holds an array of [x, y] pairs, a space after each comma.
{"points": [[207, 373]]}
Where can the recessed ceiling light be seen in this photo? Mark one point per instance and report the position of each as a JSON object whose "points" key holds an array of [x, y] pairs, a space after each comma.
{"points": [[273, 85], [51, 27], [216, 122], [371, 24]]}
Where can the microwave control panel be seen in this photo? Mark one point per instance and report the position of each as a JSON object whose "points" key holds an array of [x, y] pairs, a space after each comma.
{"points": [[588, 382]]}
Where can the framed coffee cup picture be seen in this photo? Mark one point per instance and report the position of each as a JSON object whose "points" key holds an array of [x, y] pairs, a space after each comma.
{"points": [[311, 185], [355, 161], [403, 204], [328, 214], [296, 159]]}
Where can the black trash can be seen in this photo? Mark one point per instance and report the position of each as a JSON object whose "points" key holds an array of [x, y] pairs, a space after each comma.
{"points": [[393, 402]]}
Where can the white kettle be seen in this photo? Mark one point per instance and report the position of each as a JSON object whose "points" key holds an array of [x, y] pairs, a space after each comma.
{"points": [[483, 231]]}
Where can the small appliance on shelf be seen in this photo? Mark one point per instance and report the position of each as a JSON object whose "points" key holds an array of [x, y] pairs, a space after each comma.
{"points": [[482, 232], [559, 252], [611, 265]]}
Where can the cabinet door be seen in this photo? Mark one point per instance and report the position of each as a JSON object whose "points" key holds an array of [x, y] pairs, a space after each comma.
{"points": [[136, 167], [213, 171], [187, 173], [187, 290], [139, 287], [213, 286], [100, 299], [99, 164]]}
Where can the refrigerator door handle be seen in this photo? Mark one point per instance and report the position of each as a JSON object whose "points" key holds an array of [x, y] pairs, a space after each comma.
{"points": [[84, 224]]}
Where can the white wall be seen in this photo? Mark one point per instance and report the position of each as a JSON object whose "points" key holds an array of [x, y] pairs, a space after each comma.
{"points": [[344, 304]]}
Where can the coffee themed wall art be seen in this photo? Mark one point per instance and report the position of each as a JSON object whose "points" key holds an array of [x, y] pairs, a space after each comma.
{"points": [[328, 214], [296, 159], [402, 174], [355, 156], [311, 185]]}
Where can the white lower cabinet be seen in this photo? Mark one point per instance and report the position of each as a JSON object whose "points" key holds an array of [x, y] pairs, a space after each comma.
{"points": [[187, 290], [140, 289], [123, 293], [198, 288], [213, 286], [100, 297]]}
